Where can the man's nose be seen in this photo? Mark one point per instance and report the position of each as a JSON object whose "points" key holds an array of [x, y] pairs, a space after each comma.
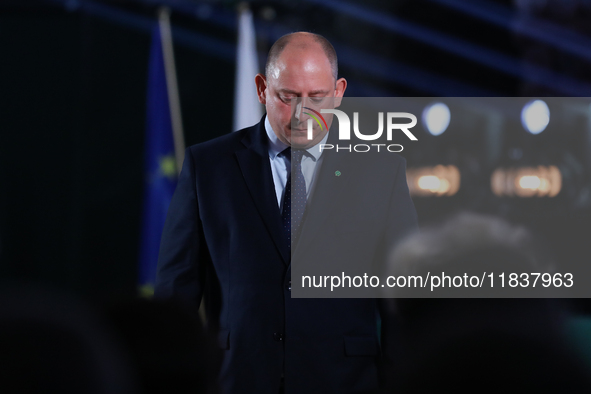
{"points": [[298, 109]]}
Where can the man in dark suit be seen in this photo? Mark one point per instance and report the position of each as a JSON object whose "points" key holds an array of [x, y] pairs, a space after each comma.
{"points": [[227, 239]]}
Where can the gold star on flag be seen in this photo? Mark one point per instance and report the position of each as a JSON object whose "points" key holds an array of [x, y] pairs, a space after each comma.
{"points": [[167, 166]]}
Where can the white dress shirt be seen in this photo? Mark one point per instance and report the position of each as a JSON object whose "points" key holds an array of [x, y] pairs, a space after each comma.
{"points": [[281, 166]]}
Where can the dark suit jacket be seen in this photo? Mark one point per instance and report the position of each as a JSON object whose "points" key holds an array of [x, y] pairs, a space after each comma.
{"points": [[222, 240]]}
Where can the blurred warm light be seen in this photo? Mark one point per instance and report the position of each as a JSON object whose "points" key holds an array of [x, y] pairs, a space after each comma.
{"points": [[436, 118], [433, 181], [527, 181], [429, 182], [535, 116]]}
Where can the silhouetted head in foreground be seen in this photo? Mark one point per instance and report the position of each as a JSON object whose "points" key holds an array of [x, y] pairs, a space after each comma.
{"points": [[53, 343], [478, 344]]}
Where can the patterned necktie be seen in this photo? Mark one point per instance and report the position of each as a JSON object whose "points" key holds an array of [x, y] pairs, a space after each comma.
{"points": [[294, 199]]}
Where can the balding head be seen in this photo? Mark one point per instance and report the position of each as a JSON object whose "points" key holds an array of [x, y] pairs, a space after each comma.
{"points": [[302, 41], [300, 66]]}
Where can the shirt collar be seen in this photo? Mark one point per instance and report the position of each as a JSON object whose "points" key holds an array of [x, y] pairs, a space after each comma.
{"points": [[315, 151], [276, 146]]}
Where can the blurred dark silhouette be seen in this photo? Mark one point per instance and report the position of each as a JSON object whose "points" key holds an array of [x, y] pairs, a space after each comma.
{"points": [[53, 343], [171, 350], [486, 344]]}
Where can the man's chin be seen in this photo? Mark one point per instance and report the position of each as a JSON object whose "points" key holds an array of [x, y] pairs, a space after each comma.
{"points": [[299, 139], [302, 143]]}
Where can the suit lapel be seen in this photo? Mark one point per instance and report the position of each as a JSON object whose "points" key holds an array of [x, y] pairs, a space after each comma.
{"points": [[256, 170]]}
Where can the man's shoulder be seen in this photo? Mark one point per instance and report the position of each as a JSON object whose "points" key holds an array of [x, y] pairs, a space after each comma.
{"points": [[361, 154], [382, 158]]}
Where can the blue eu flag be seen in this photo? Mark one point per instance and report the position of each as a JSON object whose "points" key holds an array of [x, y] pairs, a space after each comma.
{"points": [[160, 165]]}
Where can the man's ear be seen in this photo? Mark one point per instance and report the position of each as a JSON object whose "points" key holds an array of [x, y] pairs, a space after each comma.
{"points": [[261, 84], [341, 86]]}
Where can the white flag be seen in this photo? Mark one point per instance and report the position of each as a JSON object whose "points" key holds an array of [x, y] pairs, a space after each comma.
{"points": [[247, 109]]}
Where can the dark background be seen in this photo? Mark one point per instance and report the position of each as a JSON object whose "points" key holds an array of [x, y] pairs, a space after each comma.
{"points": [[73, 80]]}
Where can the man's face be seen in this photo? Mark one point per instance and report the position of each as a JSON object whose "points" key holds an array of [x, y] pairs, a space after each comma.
{"points": [[298, 73]]}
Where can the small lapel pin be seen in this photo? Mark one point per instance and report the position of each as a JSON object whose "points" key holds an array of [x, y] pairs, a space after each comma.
{"points": [[337, 173]]}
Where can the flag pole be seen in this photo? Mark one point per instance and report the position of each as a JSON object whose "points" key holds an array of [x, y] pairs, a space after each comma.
{"points": [[247, 109], [172, 86]]}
